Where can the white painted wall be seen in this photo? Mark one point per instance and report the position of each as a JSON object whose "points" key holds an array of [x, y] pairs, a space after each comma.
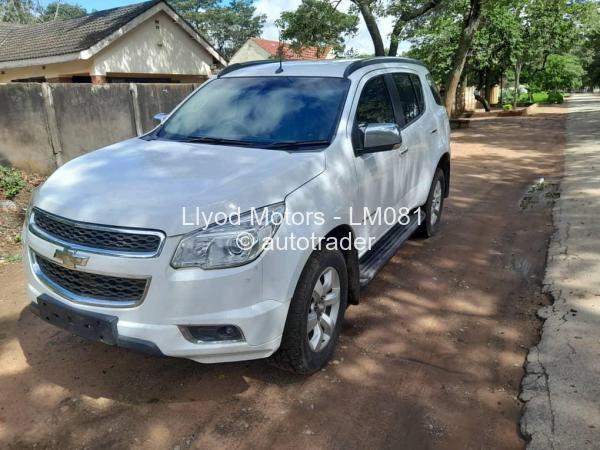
{"points": [[48, 71], [250, 51], [148, 50]]}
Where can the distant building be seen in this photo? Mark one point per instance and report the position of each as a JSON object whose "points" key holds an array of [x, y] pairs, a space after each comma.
{"points": [[255, 49], [144, 42]]}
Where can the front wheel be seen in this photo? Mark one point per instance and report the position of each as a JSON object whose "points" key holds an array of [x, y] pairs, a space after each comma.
{"points": [[316, 314], [434, 206]]}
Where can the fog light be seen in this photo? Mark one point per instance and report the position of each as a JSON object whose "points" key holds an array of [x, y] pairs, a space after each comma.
{"points": [[212, 333]]}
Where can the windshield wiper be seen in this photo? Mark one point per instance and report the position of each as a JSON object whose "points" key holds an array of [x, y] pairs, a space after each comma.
{"points": [[297, 144], [216, 141]]}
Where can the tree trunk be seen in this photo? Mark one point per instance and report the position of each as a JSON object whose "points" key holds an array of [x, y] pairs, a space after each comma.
{"points": [[395, 37], [483, 101], [487, 87], [405, 18], [365, 9], [470, 25], [517, 82]]}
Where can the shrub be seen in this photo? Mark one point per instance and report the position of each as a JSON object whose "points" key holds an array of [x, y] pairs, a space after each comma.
{"points": [[507, 107], [555, 97], [11, 181]]}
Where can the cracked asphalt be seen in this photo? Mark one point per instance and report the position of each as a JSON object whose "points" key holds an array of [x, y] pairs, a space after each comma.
{"points": [[561, 388]]}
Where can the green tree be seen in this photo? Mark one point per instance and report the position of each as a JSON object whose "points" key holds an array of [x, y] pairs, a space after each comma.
{"points": [[434, 40], [19, 11], [561, 73], [403, 13], [515, 38], [62, 11], [470, 24], [445, 39], [593, 64], [226, 26], [189, 9], [317, 23]]}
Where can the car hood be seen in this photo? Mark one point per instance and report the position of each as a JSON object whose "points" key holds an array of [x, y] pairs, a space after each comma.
{"points": [[147, 184]]}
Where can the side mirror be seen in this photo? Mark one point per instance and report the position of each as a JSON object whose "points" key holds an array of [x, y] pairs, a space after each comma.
{"points": [[379, 137], [160, 117]]}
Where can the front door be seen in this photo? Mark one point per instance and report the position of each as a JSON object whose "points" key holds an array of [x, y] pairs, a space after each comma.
{"points": [[377, 173]]}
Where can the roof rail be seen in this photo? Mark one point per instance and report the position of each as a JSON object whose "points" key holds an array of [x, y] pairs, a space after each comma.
{"points": [[238, 66], [356, 65]]}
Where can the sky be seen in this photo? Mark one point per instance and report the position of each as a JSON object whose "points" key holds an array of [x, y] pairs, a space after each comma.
{"points": [[272, 8]]}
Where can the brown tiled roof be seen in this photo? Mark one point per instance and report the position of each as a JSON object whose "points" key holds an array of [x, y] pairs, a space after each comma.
{"points": [[61, 37], [272, 48]]}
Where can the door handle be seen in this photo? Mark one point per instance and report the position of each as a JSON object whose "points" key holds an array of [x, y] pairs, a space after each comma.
{"points": [[403, 151], [434, 131]]}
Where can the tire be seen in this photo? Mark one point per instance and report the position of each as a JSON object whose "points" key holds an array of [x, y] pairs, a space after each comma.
{"points": [[434, 206], [303, 350]]}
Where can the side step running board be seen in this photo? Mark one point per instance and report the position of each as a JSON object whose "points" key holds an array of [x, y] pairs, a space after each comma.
{"points": [[372, 261]]}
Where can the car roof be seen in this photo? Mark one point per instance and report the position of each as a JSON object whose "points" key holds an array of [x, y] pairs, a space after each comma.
{"points": [[339, 68]]}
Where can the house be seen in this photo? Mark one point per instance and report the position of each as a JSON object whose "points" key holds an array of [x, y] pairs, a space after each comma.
{"points": [[256, 49], [144, 42]]}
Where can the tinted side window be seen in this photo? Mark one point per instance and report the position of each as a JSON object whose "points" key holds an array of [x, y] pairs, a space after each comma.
{"points": [[408, 98], [434, 91], [375, 105], [416, 82]]}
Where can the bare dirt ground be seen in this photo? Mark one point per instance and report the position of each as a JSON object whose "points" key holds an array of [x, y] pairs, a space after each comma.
{"points": [[432, 358]]}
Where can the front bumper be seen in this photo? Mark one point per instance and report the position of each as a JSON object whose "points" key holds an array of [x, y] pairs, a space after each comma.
{"points": [[174, 299]]}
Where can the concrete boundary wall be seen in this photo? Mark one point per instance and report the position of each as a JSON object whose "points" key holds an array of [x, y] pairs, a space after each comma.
{"points": [[43, 125]]}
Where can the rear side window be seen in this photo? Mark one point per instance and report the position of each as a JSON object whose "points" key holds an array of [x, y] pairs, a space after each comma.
{"points": [[375, 105], [434, 90], [416, 82], [411, 107]]}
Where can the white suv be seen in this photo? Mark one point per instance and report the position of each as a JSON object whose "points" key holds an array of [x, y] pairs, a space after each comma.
{"points": [[245, 223]]}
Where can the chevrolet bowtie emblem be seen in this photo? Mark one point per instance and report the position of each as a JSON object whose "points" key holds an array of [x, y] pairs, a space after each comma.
{"points": [[70, 259]]}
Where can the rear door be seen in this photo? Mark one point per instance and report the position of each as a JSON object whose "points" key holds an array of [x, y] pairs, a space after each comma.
{"points": [[410, 101]]}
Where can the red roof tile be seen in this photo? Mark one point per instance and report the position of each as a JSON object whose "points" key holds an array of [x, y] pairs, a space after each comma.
{"points": [[272, 47]]}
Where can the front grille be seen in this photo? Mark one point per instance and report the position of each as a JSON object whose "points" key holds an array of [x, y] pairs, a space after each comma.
{"points": [[97, 236], [85, 285]]}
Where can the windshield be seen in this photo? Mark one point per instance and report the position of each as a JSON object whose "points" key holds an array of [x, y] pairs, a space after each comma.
{"points": [[260, 111]]}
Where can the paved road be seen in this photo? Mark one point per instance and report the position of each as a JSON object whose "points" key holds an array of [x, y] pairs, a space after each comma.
{"points": [[431, 359], [562, 389]]}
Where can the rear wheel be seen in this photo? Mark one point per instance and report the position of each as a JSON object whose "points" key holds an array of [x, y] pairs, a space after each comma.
{"points": [[316, 314], [434, 206]]}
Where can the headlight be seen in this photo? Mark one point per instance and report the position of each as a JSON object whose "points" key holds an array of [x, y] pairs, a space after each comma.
{"points": [[235, 243], [30, 206]]}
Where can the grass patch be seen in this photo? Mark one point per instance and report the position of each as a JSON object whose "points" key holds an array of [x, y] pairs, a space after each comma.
{"points": [[538, 97], [11, 182], [11, 258], [543, 97]]}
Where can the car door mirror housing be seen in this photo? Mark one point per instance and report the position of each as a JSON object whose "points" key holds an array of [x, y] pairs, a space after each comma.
{"points": [[160, 117], [379, 137]]}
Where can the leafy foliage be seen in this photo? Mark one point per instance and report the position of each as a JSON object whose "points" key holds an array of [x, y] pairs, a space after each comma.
{"points": [[62, 11], [226, 26], [32, 11], [561, 72], [20, 11], [540, 43], [11, 181], [434, 39], [555, 97], [317, 23]]}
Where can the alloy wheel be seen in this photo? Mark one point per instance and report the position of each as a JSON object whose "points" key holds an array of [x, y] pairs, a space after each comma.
{"points": [[324, 309]]}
